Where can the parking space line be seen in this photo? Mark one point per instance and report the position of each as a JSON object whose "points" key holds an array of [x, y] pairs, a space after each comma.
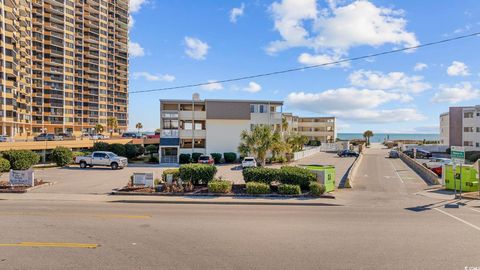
{"points": [[459, 219], [50, 244], [475, 210], [395, 170]]}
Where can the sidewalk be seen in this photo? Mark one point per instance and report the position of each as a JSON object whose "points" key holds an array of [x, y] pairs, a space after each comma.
{"points": [[170, 199]]}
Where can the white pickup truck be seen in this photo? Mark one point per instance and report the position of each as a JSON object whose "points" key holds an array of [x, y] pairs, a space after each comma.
{"points": [[102, 158]]}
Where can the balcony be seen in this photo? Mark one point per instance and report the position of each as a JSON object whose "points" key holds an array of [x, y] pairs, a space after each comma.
{"points": [[199, 134], [197, 115], [266, 118], [169, 133]]}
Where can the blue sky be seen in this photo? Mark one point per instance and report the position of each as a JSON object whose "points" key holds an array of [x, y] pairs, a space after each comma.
{"points": [[181, 42]]}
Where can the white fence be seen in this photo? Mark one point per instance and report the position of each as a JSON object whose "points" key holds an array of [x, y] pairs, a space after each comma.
{"points": [[332, 147], [438, 148], [305, 153]]}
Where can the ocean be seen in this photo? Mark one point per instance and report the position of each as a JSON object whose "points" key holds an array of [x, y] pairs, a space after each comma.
{"points": [[380, 137]]}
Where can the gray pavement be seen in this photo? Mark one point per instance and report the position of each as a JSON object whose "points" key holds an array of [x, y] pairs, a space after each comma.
{"points": [[387, 221]]}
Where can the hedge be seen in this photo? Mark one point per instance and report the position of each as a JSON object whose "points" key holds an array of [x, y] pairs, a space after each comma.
{"points": [[133, 150], [289, 189], [4, 165], [117, 148], [101, 146], [219, 186], [153, 159], [21, 159], [316, 189], [261, 174], [257, 188], [184, 158], [197, 173], [62, 156], [296, 176], [230, 157], [175, 172], [217, 157], [195, 157], [78, 154]]}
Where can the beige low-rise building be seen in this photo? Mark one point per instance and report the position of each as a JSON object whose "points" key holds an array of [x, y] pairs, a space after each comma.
{"points": [[319, 129]]}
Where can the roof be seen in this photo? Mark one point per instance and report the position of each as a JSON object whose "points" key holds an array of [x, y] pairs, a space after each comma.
{"points": [[277, 102]]}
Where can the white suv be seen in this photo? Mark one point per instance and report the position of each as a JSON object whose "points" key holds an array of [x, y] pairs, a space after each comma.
{"points": [[249, 162]]}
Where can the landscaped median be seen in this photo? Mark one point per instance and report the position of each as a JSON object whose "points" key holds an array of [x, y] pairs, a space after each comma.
{"points": [[200, 180]]}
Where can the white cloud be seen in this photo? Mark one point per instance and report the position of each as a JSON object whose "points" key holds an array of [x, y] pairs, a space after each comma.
{"points": [[457, 93], [253, 87], [395, 81], [152, 77], [212, 86], [420, 66], [131, 21], [237, 12], [135, 5], [135, 49], [458, 69], [196, 48], [336, 29], [427, 129], [320, 59]]}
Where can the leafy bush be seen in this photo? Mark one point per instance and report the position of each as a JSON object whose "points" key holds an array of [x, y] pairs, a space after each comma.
{"points": [[472, 156], [184, 158], [133, 150], [316, 189], [219, 186], [78, 154], [151, 149], [197, 173], [289, 189], [217, 157], [4, 165], [117, 148], [62, 156], [100, 146], [230, 157], [296, 176], [261, 174], [21, 159], [175, 172], [257, 188], [153, 159], [195, 157]]}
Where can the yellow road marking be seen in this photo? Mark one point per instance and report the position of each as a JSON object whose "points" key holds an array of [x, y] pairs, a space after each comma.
{"points": [[50, 244]]}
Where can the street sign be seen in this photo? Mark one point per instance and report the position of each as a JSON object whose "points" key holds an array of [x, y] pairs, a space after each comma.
{"points": [[457, 154], [22, 178]]}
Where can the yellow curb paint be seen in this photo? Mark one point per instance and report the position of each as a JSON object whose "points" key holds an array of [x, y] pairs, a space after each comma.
{"points": [[50, 244]]}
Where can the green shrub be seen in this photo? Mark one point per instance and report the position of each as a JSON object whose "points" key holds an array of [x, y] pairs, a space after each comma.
{"points": [[132, 150], [153, 159], [184, 158], [257, 188], [195, 157], [286, 189], [117, 148], [217, 157], [62, 156], [296, 176], [472, 156], [151, 149], [78, 154], [197, 173], [175, 172], [4, 165], [21, 159], [261, 174], [219, 186], [230, 157], [316, 189], [100, 146]]}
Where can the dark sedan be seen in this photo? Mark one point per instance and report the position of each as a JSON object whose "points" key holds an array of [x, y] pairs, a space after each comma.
{"points": [[347, 153], [420, 153]]}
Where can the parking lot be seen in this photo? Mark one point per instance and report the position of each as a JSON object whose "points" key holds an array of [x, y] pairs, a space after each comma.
{"points": [[101, 180]]}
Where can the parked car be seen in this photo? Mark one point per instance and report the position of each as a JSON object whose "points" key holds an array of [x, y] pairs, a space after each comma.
{"points": [[102, 158], [5, 138], [206, 159], [47, 137], [66, 136], [347, 153], [437, 162], [102, 136], [420, 153], [393, 154], [132, 135], [249, 162], [437, 170]]}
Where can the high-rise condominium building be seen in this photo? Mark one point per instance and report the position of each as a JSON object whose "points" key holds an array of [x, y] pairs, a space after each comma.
{"points": [[64, 65], [460, 126]]}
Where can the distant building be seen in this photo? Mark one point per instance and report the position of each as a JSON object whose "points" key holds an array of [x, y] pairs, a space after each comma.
{"points": [[320, 129], [460, 126]]}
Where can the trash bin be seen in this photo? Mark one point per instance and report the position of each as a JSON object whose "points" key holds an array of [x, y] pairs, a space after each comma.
{"points": [[469, 178], [325, 175]]}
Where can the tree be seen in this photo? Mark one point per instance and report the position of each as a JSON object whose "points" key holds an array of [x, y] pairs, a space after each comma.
{"points": [[98, 128], [157, 131], [258, 142], [112, 123], [367, 134], [296, 141], [139, 126]]}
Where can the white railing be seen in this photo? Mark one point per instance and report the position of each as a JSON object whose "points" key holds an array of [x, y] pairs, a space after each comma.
{"points": [[330, 147], [169, 133], [305, 153]]}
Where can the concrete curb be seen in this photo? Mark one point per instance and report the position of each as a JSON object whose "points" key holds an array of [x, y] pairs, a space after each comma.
{"points": [[235, 202], [347, 182], [214, 195], [28, 189]]}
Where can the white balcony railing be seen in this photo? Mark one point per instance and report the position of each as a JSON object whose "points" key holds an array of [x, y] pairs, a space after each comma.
{"points": [[169, 133]]}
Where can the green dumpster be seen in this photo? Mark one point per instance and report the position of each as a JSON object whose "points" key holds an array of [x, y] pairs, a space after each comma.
{"points": [[469, 178], [325, 175]]}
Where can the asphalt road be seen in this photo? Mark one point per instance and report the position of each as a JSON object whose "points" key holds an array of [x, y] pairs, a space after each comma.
{"points": [[381, 224]]}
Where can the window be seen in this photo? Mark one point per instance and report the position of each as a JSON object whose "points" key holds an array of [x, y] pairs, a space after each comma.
{"points": [[468, 115], [468, 129], [252, 108], [99, 155], [467, 143], [478, 129], [477, 144], [262, 108], [170, 124]]}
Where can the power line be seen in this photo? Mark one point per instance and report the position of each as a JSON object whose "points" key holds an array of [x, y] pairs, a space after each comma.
{"points": [[310, 67]]}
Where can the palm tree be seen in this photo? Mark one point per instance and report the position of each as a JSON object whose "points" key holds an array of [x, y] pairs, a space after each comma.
{"points": [[367, 134], [296, 141], [258, 142], [112, 124], [139, 126], [98, 129]]}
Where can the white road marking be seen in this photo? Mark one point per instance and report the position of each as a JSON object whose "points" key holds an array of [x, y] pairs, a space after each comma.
{"points": [[395, 170], [459, 219], [475, 210]]}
